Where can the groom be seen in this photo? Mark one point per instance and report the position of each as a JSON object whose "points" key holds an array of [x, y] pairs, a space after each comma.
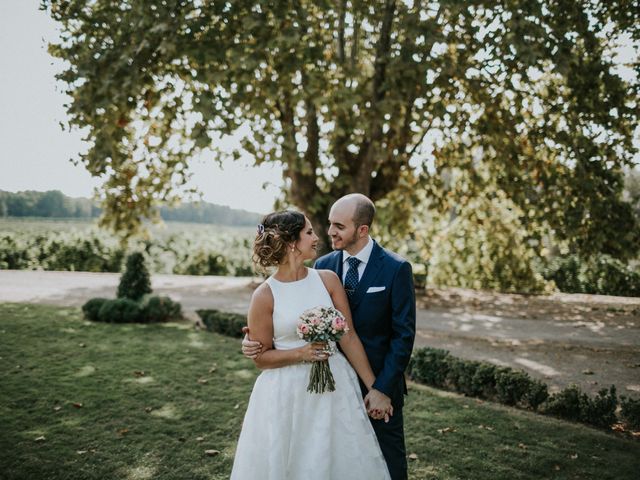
{"points": [[379, 285]]}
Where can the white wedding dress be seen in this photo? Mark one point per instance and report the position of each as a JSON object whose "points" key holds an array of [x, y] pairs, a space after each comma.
{"points": [[291, 434]]}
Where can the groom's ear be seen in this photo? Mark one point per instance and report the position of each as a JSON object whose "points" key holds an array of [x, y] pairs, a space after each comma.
{"points": [[363, 230]]}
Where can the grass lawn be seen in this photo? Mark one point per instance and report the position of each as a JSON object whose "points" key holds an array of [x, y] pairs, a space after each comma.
{"points": [[80, 400]]}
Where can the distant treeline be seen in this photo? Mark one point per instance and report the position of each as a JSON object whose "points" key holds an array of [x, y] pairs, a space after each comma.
{"points": [[56, 204]]}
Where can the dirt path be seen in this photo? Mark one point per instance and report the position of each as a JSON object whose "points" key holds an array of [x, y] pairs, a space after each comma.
{"points": [[590, 340]]}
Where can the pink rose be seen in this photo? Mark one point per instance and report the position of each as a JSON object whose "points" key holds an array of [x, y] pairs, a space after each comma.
{"points": [[304, 329], [338, 323]]}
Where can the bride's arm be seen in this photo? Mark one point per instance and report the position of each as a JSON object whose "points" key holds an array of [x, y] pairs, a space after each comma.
{"points": [[350, 342], [260, 321]]}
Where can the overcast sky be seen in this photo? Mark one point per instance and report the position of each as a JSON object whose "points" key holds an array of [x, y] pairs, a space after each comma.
{"points": [[35, 151]]}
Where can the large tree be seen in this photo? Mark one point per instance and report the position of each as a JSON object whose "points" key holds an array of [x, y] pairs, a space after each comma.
{"points": [[374, 96]]}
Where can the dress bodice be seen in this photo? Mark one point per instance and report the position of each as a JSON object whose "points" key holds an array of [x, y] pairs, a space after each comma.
{"points": [[290, 300]]}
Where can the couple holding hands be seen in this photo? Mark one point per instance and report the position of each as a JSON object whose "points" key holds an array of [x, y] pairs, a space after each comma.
{"points": [[356, 431]]}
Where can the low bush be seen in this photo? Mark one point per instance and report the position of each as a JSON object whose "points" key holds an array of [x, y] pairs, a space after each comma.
{"points": [[565, 404], [92, 307], [460, 375], [484, 380], [161, 309], [630, 412], [600, 410], [120, 310], [511, 385], [429, 366], [537, 394], [572, 404], [225, 323], [437, 368]]}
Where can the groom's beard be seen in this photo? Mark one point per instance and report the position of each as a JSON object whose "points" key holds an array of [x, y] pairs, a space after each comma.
{"points": [[346, 243]]}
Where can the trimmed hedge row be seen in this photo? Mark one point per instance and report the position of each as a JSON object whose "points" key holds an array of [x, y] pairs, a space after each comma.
{"points": [[435, 367], [124, 310], [225, 323]]}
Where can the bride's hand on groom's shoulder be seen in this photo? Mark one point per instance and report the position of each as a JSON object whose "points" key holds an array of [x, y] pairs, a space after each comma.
{"points": [[250, 349], [378, 405]]}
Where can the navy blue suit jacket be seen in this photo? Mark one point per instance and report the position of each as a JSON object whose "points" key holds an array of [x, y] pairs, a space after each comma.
{"points": [[385, 320]]}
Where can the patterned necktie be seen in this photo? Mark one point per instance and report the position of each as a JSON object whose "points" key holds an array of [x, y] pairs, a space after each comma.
{"points": [[351, 279]]}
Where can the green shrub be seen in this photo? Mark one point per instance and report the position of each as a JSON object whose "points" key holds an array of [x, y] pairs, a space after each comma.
{"points": [[225, 323], [511, 385], [135, 281], [429, 366], [202, 263], [121, 310], [601, 410], [566, 403], [484, 246], [536, 394], [630, 412], [484, 380], [600, 274], [161, 309], [91, 309], [460, 375]]}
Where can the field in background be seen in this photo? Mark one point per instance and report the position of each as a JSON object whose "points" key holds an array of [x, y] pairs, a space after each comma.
{"points": [[175, 247]]}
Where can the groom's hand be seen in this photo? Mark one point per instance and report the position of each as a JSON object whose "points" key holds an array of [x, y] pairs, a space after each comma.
{"points": [[378, 405], [250, 349]]}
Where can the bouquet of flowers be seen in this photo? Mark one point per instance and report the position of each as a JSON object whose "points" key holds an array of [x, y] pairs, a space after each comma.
{"points": [[321, 324]]}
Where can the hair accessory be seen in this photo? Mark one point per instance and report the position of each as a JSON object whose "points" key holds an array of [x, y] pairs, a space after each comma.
{"points": [[260, 229]]}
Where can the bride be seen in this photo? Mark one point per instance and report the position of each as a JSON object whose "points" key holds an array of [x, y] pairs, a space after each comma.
{"points": [[289, 433]]}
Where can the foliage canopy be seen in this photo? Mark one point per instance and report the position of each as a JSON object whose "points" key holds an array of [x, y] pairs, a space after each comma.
{"points": [[362, 96]]}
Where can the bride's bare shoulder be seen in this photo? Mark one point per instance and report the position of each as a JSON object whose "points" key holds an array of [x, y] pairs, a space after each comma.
{"points": [[329, 277], [262, 295]]}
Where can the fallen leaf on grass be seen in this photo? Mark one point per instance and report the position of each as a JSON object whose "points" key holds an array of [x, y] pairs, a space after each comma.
{"points": [[77, 404], [236, 406], [212, 369], [148, 409], [574, 456], [587, 372], [41, 438], [81, 345], [57, 408], [81, 452], [139, 373], [522, 446], [556, 467], [203, 381], [446, 430], [123, 431], [199, 439], [413, 456], [211, 453], [486, 427]]}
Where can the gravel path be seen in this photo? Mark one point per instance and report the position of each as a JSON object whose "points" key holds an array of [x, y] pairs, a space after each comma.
{"points": [[590, 340]]}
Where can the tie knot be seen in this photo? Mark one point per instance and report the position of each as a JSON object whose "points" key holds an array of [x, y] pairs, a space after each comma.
{"points": [[353, 262]]}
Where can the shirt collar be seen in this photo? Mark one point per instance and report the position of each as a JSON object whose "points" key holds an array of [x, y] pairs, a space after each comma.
{"points": [[363, 255]]}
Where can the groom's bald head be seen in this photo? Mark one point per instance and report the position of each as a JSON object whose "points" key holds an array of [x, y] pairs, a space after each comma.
{"points": [[360, 207]]}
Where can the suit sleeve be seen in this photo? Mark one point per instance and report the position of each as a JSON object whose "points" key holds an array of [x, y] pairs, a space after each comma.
{"points": [[403, 330]]}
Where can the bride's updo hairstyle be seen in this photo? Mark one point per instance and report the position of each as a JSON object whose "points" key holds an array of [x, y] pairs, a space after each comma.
{"points": [[275, 233]]}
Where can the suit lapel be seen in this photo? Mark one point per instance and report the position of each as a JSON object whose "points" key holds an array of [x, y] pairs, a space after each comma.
{"points": [[370, 273], [337, 265]]}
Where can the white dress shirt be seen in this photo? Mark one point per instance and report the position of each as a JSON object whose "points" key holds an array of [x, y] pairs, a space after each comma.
{"points": [[363, 255]]}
